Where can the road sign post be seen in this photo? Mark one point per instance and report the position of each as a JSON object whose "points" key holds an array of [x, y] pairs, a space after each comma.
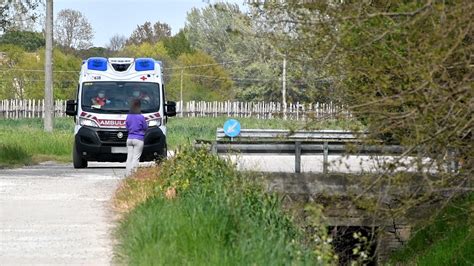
{"points": [[232, 128]]}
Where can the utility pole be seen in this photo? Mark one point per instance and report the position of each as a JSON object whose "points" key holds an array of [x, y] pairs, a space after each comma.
{"points": [[181, 94], [48, 69], [283, 90]]}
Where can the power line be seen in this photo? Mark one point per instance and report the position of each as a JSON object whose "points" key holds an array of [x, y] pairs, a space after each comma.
{"points": [[36, 80], [36, 70], [218, 77], [204, 65], [166, 68]]}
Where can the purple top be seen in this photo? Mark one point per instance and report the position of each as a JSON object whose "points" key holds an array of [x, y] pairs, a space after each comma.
{"points": [[136, 126]]}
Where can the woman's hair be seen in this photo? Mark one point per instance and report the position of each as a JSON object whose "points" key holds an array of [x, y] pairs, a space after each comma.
{"points": [[135, 106]]}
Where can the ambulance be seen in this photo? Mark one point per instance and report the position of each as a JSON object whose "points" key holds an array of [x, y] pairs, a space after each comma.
{"points": [[104, 93]]}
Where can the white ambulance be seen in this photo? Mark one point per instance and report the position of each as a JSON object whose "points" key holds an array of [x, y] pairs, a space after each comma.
{"points": [[105, 91]]}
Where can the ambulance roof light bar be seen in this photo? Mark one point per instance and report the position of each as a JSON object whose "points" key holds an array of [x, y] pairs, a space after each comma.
{"points": [[144, 64], [97, 63]]}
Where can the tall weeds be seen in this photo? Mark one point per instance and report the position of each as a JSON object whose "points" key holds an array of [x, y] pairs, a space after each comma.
{"points": [[217, 218]]}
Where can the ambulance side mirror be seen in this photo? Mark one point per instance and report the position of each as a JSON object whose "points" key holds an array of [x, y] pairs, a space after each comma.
{"points": [[71, 108], [170, 108]]}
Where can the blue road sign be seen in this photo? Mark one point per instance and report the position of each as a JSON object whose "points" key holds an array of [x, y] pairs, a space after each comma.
{"points": [[232, 128]]}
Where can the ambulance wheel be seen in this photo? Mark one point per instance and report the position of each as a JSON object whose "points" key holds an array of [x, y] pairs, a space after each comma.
{"points": [[77, 159], [163, 155]]}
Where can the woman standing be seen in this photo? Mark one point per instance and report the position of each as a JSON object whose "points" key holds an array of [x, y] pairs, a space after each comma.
{"points": [[136, 127]]}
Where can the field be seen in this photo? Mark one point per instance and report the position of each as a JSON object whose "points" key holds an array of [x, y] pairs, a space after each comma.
{"points": [[23, 142]]}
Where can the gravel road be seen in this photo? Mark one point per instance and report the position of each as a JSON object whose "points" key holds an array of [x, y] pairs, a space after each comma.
{"points": [[53, 214]]}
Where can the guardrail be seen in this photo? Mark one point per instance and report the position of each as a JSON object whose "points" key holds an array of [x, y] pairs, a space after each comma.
{"points": [[282, 134], [325, 142]]}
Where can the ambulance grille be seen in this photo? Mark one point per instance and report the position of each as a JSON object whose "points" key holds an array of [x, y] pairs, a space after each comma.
{"points": [[112, 136], [120, 67]]}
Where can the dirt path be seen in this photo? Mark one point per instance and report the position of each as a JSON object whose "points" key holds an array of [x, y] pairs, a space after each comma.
{"points": [[53, 214]]}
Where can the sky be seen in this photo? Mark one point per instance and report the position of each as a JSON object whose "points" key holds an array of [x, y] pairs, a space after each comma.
{"points": [[110, 17]]}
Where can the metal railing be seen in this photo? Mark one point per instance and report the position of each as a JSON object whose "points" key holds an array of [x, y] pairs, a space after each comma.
{"points": [[324, 142]]}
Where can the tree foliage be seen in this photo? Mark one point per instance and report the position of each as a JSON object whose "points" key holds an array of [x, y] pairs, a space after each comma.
{"points": [[116, 43], [28, 40], [19, 14], [91, 52], [246, 45], [209, 29], [19, 84], [404, 68], [178, 45], [72, 30], [149, 33], [225, 33], [203, 79], [22, 75]]}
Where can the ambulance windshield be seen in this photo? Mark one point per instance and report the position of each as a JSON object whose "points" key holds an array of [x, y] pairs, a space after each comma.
{"points": [[116, 96]]}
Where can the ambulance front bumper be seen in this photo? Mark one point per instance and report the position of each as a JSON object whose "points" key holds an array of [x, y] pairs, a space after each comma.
{"points": [[109, 145]]}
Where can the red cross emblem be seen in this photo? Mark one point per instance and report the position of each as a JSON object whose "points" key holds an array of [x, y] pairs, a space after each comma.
{"points": [[143, 78]]}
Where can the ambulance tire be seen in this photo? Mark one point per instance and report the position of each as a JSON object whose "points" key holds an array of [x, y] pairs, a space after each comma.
{"points": [[164, 154], [77, 159]]}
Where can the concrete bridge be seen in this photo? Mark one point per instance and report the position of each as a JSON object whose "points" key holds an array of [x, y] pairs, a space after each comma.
{"points": [[347, 203], [348, 193], [344, 173]]}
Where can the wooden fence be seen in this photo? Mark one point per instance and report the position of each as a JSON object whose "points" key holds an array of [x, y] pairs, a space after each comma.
{"points": [[261, 110], [16, 109]]}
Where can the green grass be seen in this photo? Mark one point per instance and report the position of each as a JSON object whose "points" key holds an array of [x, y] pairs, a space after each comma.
{"points": [[13, 155], [447, 240], [24, 141], [217, 218], [185, 130]]}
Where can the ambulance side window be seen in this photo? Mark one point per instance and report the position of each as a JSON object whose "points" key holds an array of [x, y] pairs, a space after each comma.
{"points": [[163, 93], [164, 103]]}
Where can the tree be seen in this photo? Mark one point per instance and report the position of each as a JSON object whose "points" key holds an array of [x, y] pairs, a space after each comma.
{"points": [[29, 40], [178, 45], [203, 79], [148, 33], [225, 33], [210, 30], [19, 14], [66, 67], [403, 68], [156, 51], [25, 77], [116, 43], [20, 82], [72, 30], [242, 43], [92, 52]]}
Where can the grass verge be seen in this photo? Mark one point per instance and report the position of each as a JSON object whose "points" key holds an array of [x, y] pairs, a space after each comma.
{"points": [[184, 130], [13, 155], [24, 141], [447, 240], [217, 218]]}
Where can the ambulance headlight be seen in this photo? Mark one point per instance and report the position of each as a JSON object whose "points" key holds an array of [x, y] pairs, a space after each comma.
{"points": [[154, 123], [87, 122]]}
